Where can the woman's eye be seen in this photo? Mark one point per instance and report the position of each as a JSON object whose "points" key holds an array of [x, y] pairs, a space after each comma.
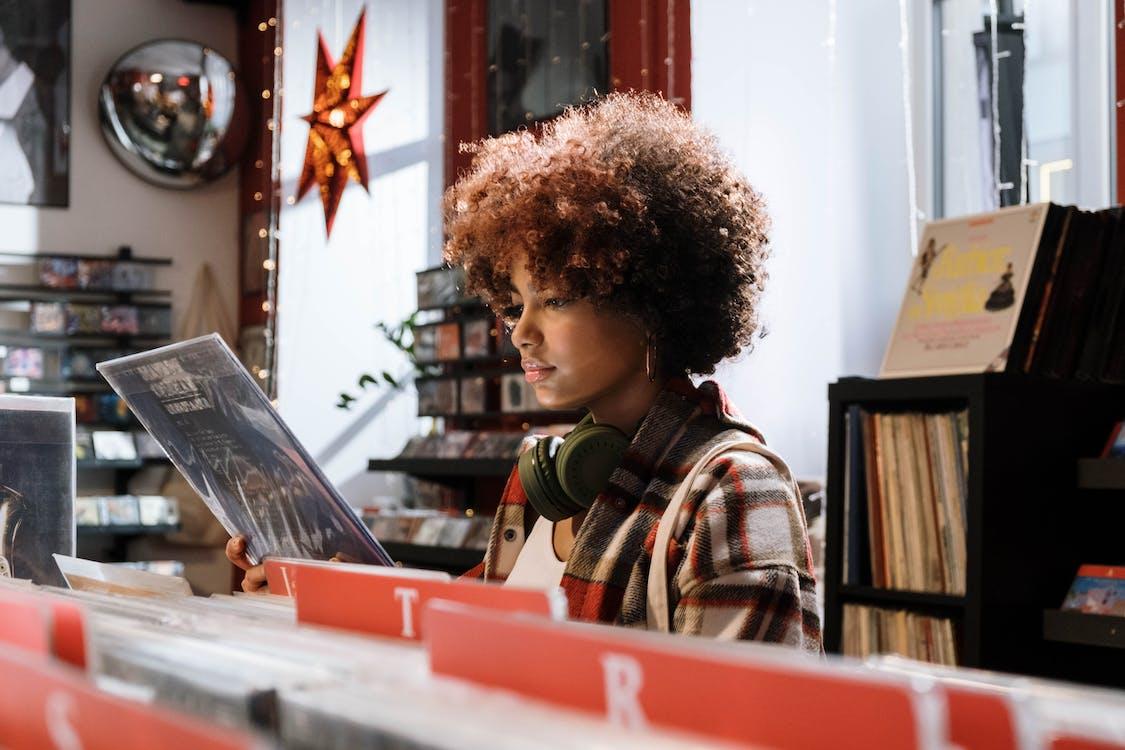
{"points": [[511, 315], [556, 302]]}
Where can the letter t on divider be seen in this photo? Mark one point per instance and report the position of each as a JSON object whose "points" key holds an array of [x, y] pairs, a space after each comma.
{"points": [[407, 597]]}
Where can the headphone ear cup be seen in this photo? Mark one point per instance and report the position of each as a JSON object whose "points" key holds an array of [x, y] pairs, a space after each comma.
{"points": [[540, 482], [587, 459]]}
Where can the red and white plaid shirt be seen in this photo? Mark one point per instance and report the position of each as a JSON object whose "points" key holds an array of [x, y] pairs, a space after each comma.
{"points": [[739, 562]]}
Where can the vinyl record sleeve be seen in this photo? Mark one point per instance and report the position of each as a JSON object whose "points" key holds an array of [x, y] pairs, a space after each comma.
{"points": [[37, 479], [219, 429], [965, 294]]}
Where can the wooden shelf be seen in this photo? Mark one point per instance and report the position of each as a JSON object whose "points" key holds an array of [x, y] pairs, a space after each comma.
{"points": [[904, 599], [1101, 473], [454, 560], [445, 467], [1071, 626]]}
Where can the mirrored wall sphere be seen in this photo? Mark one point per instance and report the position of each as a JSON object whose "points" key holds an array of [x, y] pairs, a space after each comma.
{"points": [[174, 113]]}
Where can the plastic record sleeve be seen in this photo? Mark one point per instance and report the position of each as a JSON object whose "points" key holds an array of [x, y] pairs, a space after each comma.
{"points": [[219, 429]]}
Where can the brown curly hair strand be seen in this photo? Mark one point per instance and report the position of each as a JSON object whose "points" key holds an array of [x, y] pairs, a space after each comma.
{"points": [[628, 203]]}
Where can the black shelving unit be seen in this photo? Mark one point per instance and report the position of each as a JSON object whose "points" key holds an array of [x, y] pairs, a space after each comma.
{"points": [[1029, 524], [1101, 473], [444, 468], [1084, 629], [106, 542], [452, 560]]}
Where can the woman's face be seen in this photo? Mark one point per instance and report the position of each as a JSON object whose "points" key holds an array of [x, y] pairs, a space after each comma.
{"points": [[572, 354]]}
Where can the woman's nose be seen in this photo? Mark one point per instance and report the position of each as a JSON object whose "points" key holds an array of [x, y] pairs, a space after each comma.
{"points": [[527, 332]]}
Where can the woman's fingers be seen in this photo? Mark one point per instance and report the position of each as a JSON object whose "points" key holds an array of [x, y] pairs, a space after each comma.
{"points": [[236, 552], [255, 580]]}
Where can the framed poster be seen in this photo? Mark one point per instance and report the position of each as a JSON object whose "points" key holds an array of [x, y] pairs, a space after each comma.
{"points": [[35, 102]]}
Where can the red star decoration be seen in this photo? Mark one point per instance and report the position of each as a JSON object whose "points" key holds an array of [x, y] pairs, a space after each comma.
{"points": [[334, 153]]}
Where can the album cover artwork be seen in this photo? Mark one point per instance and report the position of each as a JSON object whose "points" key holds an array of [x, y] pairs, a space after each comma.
{"points": [[425, 343], [88, 511], [23, 361], [36, 486], [220, 430], [477, 337], [473, 392], [132, 276], [448, 342], [48, 317], [58, 273], [157, 510], [83, 319], [114, 445], [154, 321], [83, 444], [79, 363], [120, 319], [121, 510], [95, 274]]}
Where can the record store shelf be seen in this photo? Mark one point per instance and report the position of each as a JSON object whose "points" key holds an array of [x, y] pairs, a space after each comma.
{"points": [[444, 467], [453, 560], [1101, 473], [1069, 626]]}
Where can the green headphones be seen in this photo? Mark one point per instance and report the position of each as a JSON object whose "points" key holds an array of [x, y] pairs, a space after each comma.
{"points": [[562, 478]]}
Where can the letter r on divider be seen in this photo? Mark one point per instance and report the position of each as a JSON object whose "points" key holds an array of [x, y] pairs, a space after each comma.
{"points": [[623, 678]]}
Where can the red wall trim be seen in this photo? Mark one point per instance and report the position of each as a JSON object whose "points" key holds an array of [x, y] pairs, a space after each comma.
{"points": [[649, 49], [466, 78]]}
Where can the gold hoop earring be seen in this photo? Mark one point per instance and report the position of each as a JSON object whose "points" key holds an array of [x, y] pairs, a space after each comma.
{"points": [[650, 360]]}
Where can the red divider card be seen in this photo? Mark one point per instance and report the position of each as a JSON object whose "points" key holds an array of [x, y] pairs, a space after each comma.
{"points": [[980, 720], [43, 625], [281, 572], [44, 705], [759, 696], [383, 603]]}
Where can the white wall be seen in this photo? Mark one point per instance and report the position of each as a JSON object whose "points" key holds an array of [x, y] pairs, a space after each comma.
{"points": [[823, 138], [109, 206], [333, 291]]}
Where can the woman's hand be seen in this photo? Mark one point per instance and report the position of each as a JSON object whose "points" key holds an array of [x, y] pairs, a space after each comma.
{"points": [[255, 579]]}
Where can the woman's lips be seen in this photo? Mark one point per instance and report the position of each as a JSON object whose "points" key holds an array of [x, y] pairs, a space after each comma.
{"points": [[537, 374]]}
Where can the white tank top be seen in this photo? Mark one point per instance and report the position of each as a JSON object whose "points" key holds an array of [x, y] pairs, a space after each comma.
{"points": [[537, 566]]}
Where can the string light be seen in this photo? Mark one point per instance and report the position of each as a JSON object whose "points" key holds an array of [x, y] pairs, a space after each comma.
{"points": [[908, 122]]}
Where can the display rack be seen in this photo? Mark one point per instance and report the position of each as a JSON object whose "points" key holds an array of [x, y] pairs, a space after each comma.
{"points": [[1029, 523], [111, 289]]}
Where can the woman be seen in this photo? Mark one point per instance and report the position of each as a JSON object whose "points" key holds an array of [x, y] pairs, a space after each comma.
{"points": [[625, 252]]}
